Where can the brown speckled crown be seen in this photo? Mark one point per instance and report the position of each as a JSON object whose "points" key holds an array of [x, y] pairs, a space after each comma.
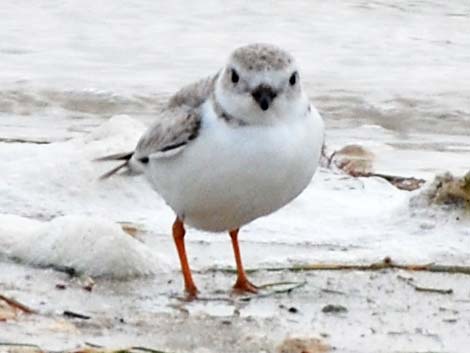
{"points": [[261, 57]]}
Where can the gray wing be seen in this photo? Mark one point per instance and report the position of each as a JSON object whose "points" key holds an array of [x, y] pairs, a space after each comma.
{"points": [[174, 129], [178, 123], [195, 94]]}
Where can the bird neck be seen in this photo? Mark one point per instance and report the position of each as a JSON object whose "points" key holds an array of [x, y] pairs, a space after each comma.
{"points": [[224, 115]]}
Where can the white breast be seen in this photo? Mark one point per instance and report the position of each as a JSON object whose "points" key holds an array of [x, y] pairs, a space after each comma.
{"points": [[231, 175]]}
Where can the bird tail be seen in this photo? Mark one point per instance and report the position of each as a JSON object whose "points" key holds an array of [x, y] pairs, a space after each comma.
{"points": [[125, 165]]}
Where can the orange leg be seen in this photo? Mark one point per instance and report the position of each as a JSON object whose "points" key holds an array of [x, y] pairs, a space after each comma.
{"points": [[178, 235], [242, 284]]}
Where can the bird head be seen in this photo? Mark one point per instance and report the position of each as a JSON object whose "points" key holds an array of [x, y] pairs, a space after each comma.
{"points": [[260, 85]]}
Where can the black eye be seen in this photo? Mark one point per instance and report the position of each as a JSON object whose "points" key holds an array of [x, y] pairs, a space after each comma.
{"points": [[293, 78], [235, 76]]}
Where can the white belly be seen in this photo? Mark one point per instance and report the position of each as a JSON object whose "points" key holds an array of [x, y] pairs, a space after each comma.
{"points": [[229, 176]]}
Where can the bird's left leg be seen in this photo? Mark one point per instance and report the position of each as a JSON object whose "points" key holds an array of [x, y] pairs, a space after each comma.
{"points": [[242, 284]]}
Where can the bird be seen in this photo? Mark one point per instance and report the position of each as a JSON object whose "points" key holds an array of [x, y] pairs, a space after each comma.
{"points": [[230, 148]]}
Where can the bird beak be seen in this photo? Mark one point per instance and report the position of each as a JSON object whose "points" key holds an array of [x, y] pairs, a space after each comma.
{"points": [[264, 95]]}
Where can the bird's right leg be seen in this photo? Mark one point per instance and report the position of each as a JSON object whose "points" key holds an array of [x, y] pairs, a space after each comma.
{"points": [[178, 236]]}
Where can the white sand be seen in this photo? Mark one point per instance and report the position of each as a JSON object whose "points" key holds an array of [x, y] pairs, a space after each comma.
{"points": [[92, 246]]}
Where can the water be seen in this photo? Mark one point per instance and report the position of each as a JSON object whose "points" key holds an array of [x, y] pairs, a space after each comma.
{"points": [[353, 49], [363, 62]]}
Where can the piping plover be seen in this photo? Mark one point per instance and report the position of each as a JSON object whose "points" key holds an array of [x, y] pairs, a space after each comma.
{"points": [[230, 148]]}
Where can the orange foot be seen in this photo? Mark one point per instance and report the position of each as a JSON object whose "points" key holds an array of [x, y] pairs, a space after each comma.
{"points": [[191, 293], [244, 286]]}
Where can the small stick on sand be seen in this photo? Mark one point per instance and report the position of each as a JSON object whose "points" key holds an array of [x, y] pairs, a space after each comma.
{"points": [[294, 285], [17, 305], [75, 315], [387, 263], [144, 349], [410, 282]]}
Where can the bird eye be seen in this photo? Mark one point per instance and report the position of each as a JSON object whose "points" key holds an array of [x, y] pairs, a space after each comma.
{"points": [[293, 79], [235, 76]]}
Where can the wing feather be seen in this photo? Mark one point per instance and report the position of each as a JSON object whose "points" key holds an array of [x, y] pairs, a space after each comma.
{"points": [[178, 123], [173, 130]]}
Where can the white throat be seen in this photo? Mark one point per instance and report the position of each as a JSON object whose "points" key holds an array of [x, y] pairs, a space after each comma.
{"points": [[245, 111]]}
